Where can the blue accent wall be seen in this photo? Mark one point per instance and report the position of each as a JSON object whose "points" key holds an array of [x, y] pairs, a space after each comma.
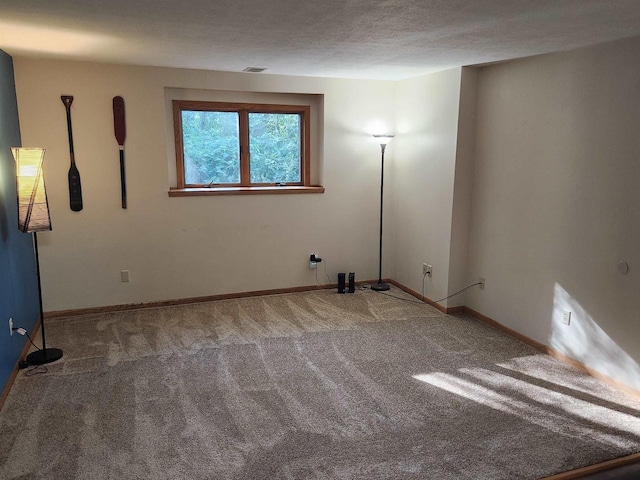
{"points": [[18, 278]]}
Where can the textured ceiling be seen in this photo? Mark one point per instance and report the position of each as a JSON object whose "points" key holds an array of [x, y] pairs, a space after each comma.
{"points": [[390, 39]]}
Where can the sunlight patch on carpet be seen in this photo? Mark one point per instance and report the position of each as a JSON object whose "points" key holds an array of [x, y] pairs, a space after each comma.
{"points": [[555, 411]]}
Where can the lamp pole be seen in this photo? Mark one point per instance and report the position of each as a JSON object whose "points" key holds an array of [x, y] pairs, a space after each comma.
{"points": [[44, 355], [33, 217], [384, 140]]}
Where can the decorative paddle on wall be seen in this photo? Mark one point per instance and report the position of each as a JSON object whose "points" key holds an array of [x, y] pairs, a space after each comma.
{"points": [[120, 131], [75, 188]]}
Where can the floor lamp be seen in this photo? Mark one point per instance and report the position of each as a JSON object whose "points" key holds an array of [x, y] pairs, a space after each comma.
{"points": [[33, 217], [383, 140]]}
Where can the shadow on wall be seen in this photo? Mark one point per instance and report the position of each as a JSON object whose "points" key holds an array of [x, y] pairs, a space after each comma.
{"points": [[585, 341]]}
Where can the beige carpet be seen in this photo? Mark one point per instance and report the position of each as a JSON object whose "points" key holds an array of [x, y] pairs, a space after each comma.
{"points": [[304, 386]]}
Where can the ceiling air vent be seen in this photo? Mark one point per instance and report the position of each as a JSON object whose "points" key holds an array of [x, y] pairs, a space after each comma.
{"points": [[254, 69]]}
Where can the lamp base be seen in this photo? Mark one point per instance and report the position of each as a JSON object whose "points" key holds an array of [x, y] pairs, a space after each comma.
{"points": [[380, 287], [48, 355]]}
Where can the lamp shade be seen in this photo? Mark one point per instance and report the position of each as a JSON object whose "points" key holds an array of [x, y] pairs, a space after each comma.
{"points": [[383, 139], [33, 208]]}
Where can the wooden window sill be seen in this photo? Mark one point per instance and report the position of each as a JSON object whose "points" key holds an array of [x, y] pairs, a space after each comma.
{"points": [[204, 192]]}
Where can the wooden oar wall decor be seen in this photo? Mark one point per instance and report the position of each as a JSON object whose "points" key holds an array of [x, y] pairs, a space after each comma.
{"points": [[120, 131], [75, 188]]}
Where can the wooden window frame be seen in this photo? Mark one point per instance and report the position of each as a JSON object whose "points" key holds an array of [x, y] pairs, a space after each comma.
{"points": [[245, 186]]}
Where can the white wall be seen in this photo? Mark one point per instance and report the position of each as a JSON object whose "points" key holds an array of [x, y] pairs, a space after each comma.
{"points": [[186, 247], [547, 194], [424, 174], [556, 202]]}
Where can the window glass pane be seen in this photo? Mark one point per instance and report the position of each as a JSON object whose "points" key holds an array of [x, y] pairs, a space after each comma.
{"points": [[211, 147], [274, 146]]}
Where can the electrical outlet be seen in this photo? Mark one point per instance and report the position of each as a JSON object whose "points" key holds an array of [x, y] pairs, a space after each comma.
{"points": [[313, 263], [566, 317], [427, 269], [481, 281], [124, 276], [11, 326]]}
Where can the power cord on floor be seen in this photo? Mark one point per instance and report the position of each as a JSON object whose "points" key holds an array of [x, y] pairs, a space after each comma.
{"points": [[23, 364], [367, 287], [432, 302], [453, 294], [400, 298], [34, 371]]}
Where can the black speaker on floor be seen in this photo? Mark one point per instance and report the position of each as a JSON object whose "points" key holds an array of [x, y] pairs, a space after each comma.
{"points": [[341, 282], [352, 282]]}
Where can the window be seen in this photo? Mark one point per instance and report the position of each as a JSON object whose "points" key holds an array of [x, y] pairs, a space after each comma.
{"points": [[241, 147]]}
